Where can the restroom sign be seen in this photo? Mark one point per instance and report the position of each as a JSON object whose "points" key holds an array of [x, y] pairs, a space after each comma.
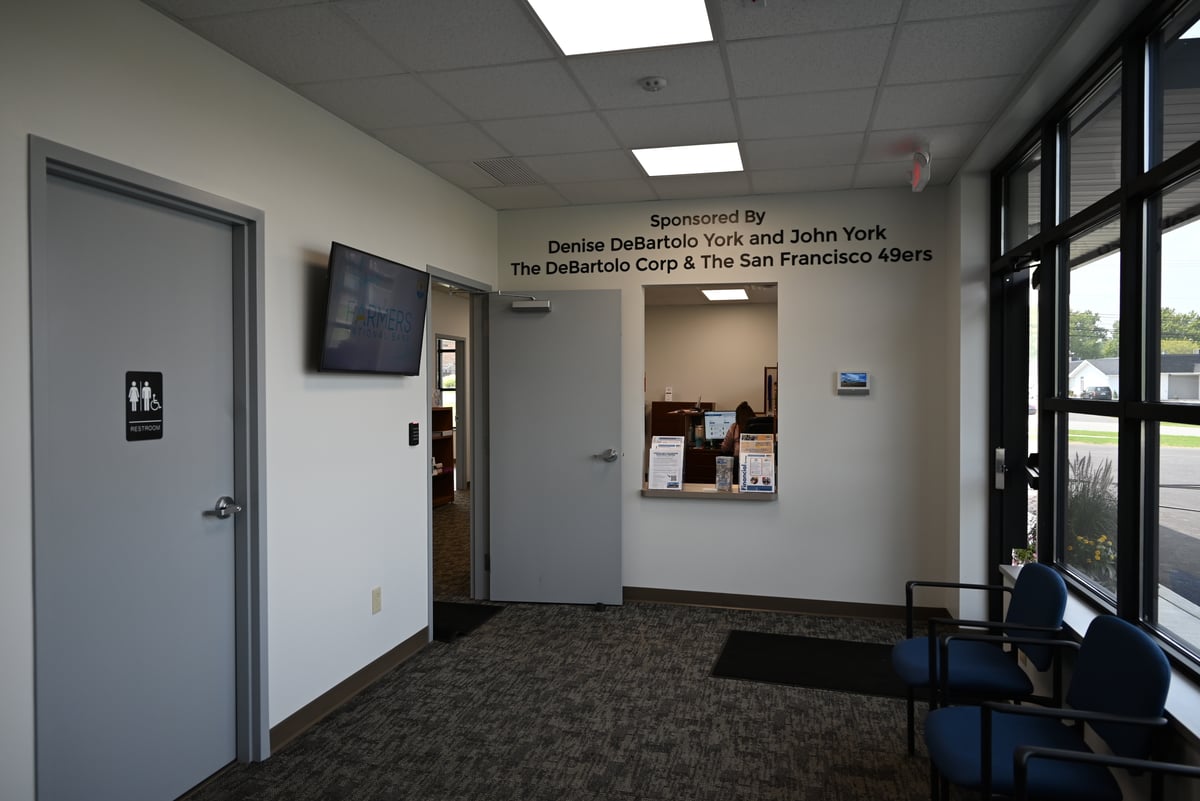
{"points": [[143, 406]]}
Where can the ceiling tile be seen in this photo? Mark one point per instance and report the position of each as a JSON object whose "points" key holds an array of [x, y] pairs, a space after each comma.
{"points": [[454, 142], [806, 115], [693, 72], [632, 191], [298, 45], [973, 47], [950, 142], [694, 124], [519, 197], [937, 104], [195, 9], [940, 9], [789, 18], [817, 62], [717, 184], [578, 167], [801, 151], [808, 179], [464, 174], [515, 90], [483, 32], [565, 133], [389, 101]]}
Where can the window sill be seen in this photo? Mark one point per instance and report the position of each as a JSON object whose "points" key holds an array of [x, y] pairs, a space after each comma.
{"points": [[1183, 699], [707, 492]]}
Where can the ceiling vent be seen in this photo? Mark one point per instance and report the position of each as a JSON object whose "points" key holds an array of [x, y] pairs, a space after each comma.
{"points": [[509, 172]]}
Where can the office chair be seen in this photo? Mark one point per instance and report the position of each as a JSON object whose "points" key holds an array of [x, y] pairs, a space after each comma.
{"points": [[1118, 687], [1037, 601], [1025, 754]]}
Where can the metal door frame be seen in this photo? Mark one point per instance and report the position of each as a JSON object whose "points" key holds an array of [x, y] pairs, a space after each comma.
{"points": [[48, 159]]}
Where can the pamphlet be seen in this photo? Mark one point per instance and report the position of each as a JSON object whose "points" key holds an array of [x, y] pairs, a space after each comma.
{"points": [[756, 463], [666, 463]]}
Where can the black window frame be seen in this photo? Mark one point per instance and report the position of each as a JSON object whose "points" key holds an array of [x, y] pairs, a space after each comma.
{"points": [[1039, 261]]}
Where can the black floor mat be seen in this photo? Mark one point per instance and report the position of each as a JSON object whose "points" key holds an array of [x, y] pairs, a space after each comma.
{"points": [[452, 619], [855, 667]]}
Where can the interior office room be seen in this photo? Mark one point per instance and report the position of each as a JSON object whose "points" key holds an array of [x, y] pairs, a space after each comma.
{"points": [[501, 167]]}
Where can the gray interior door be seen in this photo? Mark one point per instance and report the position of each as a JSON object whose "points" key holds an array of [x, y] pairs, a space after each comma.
{"points": [[555, 410], [134, 599]]}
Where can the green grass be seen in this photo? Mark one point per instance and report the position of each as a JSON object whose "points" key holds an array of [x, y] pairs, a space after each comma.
{"points": [[1110, 438]]}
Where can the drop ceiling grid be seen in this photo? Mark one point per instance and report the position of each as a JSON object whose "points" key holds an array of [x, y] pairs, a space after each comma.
{"points": [[809, 89]]}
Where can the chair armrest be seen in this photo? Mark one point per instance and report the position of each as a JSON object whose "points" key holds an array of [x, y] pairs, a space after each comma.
{"points": [[1025, 753], [909, 586], [1063, 713], [987, 708], [942, 684]]}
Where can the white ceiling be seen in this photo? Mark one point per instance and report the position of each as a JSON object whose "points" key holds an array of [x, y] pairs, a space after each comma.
{"points": [[820, 94]]}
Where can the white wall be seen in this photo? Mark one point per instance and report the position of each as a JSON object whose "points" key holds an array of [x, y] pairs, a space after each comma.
{"points": [[967, 461], [715, 352], [862, 481], [347, 496]]}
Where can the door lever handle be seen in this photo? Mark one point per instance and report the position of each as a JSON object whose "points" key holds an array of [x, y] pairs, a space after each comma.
{"points": [[224, 508], [609, 455]]}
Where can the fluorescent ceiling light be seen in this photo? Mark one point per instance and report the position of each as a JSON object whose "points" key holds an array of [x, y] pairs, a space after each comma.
{"points": [[690, 159], [725, 294], [1192, 32], [606, 25]]}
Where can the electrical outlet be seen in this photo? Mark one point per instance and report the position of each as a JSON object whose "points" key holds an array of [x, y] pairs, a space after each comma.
{"points": [[376, 600]]}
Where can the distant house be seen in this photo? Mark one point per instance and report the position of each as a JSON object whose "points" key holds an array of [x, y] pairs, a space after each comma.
{"points": [[1178, 379], [1084, 373]]}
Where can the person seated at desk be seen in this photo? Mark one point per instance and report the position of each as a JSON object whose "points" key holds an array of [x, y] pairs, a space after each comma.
{"points": [[732, 443]]}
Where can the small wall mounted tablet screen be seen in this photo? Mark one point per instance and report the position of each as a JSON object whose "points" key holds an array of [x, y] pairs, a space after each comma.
{"points": [[716, 424], [853, 383], [375, 314]]}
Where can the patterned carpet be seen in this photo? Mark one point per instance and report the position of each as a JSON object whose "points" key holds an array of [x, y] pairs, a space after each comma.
{"points": [[452, 549], [566, 702]]}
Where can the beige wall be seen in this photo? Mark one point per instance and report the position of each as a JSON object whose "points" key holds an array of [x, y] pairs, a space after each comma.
{"points": [[713, 352]]}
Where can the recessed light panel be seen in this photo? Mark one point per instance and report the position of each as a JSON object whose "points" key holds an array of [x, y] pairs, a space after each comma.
{"points": [[725, 294], [690, 159], [600, 27]]}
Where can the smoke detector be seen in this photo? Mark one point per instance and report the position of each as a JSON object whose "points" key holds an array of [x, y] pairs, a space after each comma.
{"points": [[653, 83]]}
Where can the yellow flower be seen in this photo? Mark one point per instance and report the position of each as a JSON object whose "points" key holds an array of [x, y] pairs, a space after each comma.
{"points": [[1103, 538], [1097, 556]]}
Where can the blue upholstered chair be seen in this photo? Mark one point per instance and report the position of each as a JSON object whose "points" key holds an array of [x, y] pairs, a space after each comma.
{"points": [[1118, 687], [1156, 770], [983, 669]]}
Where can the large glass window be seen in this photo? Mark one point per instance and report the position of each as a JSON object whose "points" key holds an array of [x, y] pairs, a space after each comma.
{"points": [[1094, 145], [1090, 503], [1180, 85], [1178, 566], [1118, 499], [1022, 200], [1094, 322]]}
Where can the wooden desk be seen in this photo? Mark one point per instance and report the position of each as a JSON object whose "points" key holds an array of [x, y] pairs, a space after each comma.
{"points": [[700, 465]]}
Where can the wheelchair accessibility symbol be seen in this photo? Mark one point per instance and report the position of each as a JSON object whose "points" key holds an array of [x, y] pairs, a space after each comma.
{"points": [[143, 406]]}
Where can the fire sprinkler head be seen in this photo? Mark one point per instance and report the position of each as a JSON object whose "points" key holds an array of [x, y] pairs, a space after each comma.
{"points": [[653, 83]]}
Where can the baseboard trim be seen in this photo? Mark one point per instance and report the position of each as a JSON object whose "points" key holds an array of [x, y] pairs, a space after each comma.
{"points": [[320, 707], [767, 603]]}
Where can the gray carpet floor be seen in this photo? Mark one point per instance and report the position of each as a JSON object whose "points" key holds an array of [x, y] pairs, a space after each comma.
{"points": [[565, 702]]}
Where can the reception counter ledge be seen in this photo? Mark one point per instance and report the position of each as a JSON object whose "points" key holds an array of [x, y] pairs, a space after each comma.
{"points": [[707, 492]]}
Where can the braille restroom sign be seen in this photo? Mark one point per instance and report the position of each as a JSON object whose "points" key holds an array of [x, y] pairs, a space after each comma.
{"points": [[143, 406]]}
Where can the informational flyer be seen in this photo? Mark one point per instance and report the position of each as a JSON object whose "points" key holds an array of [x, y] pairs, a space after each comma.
{"points": [[666, 463], [756, 463]]}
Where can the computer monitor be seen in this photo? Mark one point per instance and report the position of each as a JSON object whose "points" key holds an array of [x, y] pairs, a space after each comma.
{"points": [[716, 425]]}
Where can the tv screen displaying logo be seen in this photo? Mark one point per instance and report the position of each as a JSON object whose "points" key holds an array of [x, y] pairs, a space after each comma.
{"points": [[375, 314]]}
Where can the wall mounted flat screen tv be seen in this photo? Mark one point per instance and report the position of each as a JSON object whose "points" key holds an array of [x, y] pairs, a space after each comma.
{"points": [[374, 315]]}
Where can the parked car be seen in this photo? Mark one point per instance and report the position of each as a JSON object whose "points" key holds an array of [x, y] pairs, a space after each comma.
{"points": [[1098, 393]]}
